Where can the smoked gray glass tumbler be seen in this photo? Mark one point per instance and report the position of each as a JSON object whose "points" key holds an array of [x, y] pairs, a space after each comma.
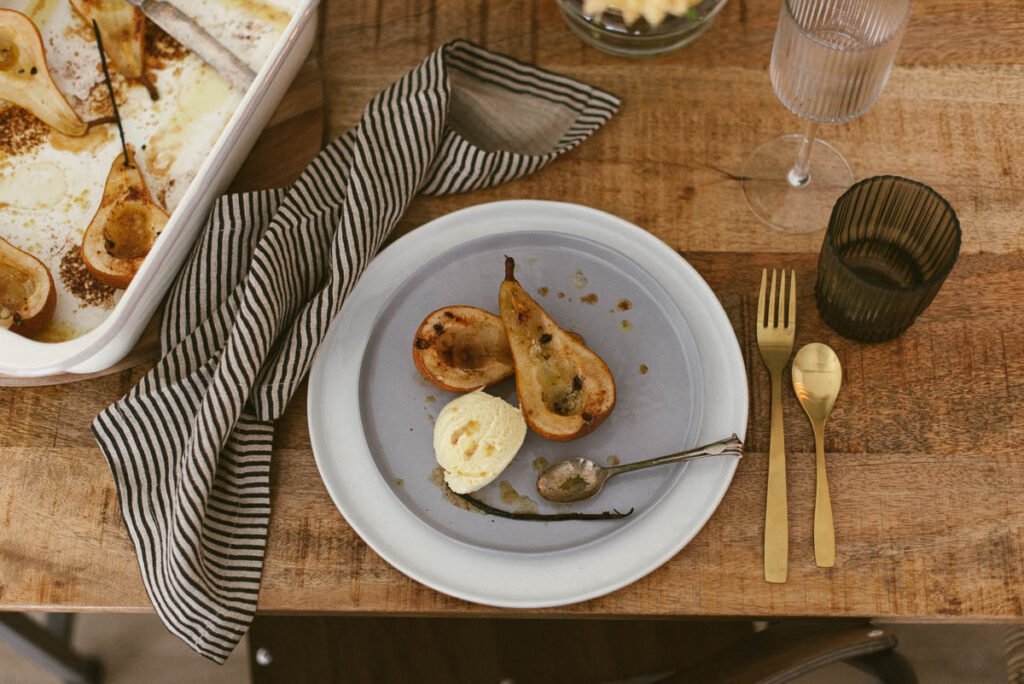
{"points": [[889, 246]]}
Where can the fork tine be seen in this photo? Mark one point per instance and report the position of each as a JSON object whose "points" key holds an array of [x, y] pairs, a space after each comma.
{"points": [[782, 298], [772, 314], [762, 298], [791, 319]]}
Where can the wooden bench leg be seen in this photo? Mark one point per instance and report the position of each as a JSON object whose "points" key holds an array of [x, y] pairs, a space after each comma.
{"points": [[49, 646]]}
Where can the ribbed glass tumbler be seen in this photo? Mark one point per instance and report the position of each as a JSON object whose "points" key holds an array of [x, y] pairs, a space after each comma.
{"points": [[889, 246]]}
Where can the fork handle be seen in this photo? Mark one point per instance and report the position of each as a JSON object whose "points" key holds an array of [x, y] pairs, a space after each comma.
{"points": [[776, 522]]}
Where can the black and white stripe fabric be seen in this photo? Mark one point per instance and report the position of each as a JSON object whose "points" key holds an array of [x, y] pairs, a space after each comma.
{"points": [[190, 446]]}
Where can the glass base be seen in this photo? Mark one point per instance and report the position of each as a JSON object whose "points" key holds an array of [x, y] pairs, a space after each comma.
{"points": [[867, 331], [794, 208]]}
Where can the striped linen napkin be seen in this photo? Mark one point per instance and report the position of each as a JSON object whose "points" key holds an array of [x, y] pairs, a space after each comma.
{"points": [[190, 446]]}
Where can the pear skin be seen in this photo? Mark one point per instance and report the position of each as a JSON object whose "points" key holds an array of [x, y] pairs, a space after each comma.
{"points": [[125, 226], [565, 389], [25, 79], [27, 295]]}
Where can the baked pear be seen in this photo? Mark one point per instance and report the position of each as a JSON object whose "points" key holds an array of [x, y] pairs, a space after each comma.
{"points": [[27, 295], [461, 349], [25, 79], [125, 226], [565, 390], [123, 28]]}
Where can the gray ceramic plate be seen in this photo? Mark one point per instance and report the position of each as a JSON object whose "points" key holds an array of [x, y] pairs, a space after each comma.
{"points": [[677, 368]]}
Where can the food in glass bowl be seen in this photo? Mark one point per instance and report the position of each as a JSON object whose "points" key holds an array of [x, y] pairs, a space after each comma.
{"points": [[639, 28]]}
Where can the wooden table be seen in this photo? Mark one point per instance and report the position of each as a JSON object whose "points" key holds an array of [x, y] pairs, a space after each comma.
{"points": [[926, 462]]}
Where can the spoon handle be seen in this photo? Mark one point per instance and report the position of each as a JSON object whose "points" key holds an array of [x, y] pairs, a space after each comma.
{"points": [[732, 446], [824, 528]]}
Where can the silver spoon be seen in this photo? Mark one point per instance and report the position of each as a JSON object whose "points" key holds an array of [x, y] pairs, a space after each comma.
{"points": [[577, 479]]}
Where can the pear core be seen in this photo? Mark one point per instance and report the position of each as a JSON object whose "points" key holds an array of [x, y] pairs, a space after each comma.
{"points": [[8, 52], [16, 286], [128, 232]]}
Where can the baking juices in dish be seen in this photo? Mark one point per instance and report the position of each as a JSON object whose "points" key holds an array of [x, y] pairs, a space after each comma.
{"points": [[59, 148]]}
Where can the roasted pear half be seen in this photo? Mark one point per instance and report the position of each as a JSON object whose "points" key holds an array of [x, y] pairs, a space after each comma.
{"points": [[25, 79], [461, 349], [27, 295], [565, 390], [123, 29], [125, 226]]}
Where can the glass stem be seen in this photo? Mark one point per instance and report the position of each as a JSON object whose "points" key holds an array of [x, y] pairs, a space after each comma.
{"points": [[801, 171]]}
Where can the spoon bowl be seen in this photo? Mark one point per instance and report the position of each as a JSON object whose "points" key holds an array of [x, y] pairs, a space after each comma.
{"points": [[572, 480], [577, 479], [817, 377]]}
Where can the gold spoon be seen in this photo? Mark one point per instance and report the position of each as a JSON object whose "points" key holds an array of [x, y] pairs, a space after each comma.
{"points": [[817, 377], [580, 478]]}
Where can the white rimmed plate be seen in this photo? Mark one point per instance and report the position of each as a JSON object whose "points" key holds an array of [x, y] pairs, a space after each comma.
{"points": [[678, 370]]}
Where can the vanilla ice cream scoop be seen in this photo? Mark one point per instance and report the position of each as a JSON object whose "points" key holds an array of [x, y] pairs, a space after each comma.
{"points": [[476, 436]]}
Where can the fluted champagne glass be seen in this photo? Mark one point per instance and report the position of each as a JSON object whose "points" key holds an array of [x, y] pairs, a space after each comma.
{"points": [[830, 61]]}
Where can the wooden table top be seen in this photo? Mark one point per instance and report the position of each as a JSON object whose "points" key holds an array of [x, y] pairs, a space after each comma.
{"points": [[926, 463]]}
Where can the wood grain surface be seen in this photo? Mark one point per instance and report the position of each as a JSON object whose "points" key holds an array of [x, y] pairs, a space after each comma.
{"points": [[925, 459]]}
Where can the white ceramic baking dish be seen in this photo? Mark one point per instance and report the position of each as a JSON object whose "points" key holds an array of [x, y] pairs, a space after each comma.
{"points": [[109, 342]]}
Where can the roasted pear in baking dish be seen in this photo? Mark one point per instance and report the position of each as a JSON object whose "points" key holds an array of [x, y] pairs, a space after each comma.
{"points": [[123, 28], [125, 226], [25, 79], [27, 295], [565, 390]]}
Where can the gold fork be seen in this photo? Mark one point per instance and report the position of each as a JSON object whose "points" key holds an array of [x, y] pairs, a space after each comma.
{"points": [[775, 332]]}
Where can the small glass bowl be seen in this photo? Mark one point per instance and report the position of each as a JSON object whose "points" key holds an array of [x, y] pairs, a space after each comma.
{"points": [[609, 32]]}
